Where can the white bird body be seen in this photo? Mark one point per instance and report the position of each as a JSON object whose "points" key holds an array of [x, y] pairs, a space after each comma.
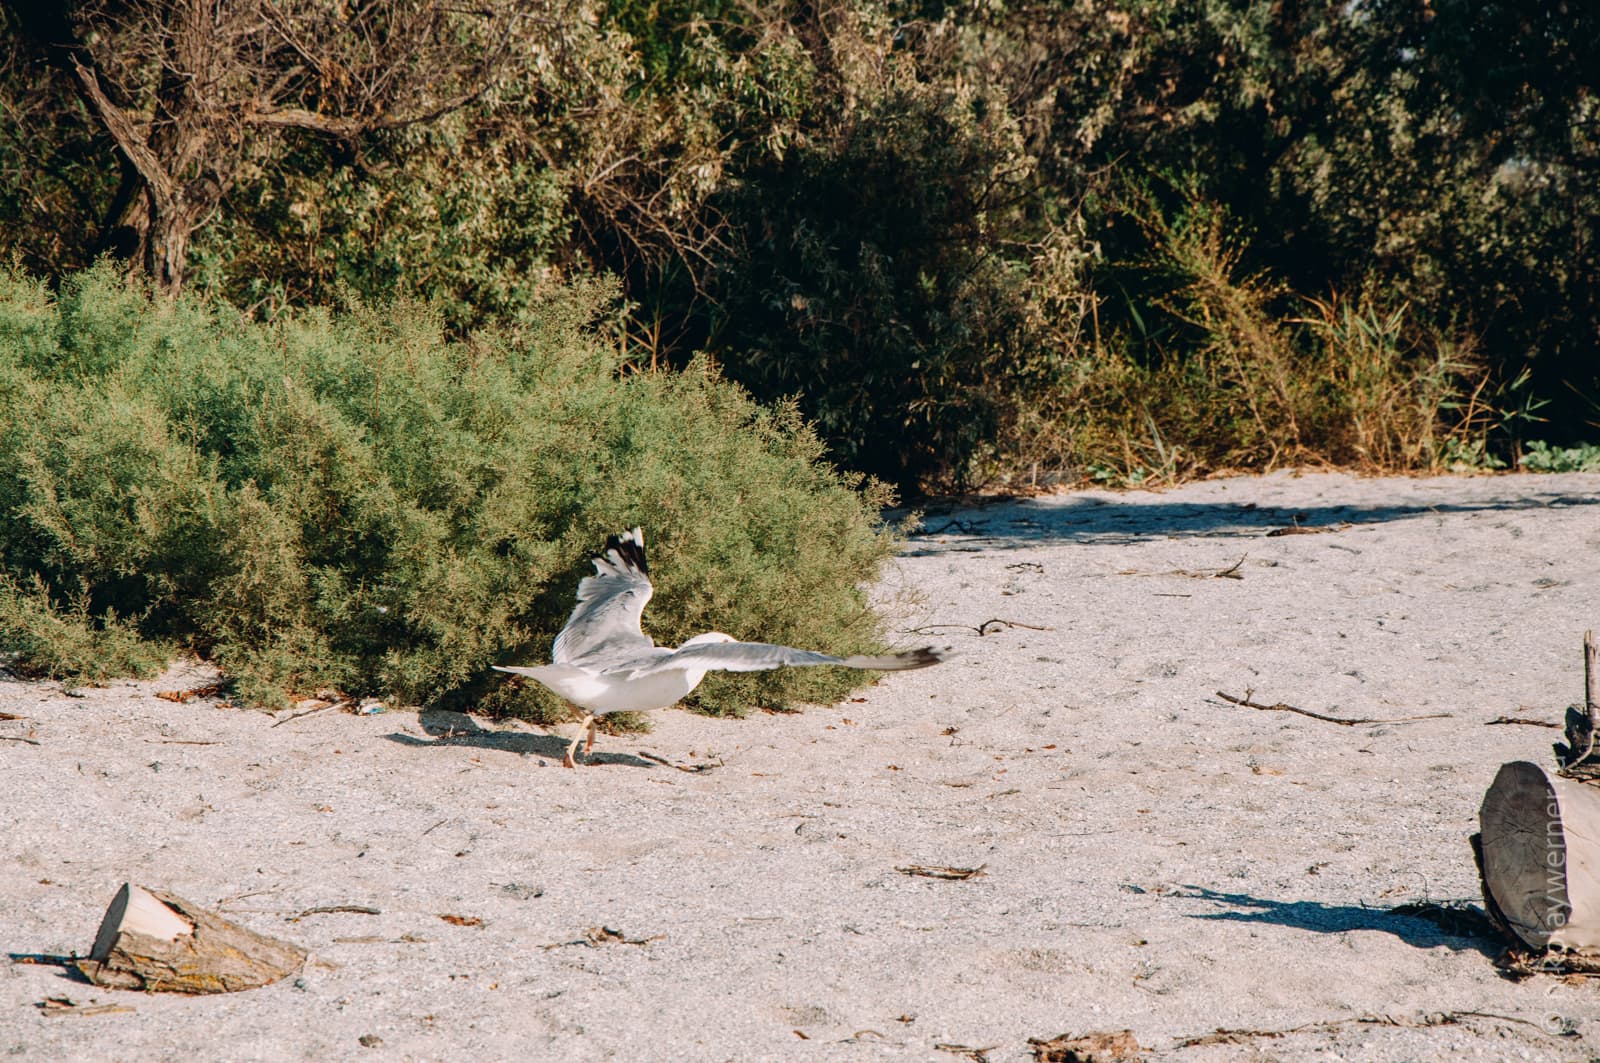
{"points": [[603, 662], [602, 694]]}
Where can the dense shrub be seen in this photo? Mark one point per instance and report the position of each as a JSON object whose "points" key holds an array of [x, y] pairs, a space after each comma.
{"points": [[871, 283], [929, 222], [1445, 152], [350, 501]]}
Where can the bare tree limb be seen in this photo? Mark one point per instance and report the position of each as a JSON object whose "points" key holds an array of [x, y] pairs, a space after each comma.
{"points": [[125, 131]]}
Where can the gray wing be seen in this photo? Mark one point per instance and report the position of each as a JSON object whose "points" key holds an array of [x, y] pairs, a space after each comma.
{"points": [[764, 656], [604, 627]]}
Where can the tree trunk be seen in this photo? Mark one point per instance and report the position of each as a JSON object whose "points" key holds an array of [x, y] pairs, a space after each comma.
{"points": [[166, 243]]}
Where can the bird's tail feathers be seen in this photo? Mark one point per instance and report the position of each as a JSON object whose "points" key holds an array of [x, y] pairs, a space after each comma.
{"points": [[900, 662]]}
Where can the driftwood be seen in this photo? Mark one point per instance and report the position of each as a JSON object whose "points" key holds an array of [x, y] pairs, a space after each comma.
{"points": [[1540, 858], [1579, 758], [1538, 851], [159, 942]]}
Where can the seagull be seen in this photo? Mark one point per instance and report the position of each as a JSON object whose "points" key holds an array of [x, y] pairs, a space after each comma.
{"points": [[602, 662]]}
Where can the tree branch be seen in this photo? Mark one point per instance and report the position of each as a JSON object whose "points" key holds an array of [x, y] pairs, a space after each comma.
{"points": [[125, 131], [347, 128]]}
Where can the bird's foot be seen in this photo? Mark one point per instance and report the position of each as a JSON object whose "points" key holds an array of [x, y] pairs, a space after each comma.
{"points": [[587, 726]]}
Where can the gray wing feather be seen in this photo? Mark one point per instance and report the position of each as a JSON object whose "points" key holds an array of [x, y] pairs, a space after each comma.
{"points": [[764, 656], [604, 627]]}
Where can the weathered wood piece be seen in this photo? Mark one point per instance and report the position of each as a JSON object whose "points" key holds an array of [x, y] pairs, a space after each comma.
{"points": [[1540, 850], [1579, 757], [159, 942]]}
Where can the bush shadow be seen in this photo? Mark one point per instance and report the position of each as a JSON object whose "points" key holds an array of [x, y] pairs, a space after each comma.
{"points": [[1019, 523]]}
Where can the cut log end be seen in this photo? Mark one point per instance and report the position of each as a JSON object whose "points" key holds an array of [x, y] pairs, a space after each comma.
{"points": [[159, 942], [1541, 857], [134, 910]]}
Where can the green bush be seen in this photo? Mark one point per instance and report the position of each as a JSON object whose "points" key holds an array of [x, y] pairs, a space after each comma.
{"points": [[1446, 149], [1542, 457], [349, 501], [912, 215], [890, 277]]}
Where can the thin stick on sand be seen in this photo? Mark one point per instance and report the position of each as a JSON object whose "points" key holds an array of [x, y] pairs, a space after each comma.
{"points": [[1341, 721]]}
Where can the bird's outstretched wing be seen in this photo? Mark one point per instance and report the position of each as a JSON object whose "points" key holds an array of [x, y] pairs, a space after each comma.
{"points": [[604, 628], [763, 656]]}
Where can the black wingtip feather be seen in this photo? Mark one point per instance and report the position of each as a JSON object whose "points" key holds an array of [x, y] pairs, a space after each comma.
{"points": [[924, 656], [629, 546]]}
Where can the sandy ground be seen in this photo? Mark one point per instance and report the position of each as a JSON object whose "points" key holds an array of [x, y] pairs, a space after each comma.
{"points": [[1154, 858]]}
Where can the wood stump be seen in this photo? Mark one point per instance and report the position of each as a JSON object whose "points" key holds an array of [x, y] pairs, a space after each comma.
{"points": [[1540, 857], [159, 942]]}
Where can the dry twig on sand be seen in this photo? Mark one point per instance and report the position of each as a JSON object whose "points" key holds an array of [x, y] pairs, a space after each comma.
{"points": [[693, 769], [962, 527], [1304, 529], [596, 936], [1341, 721], [182, 697], [1591, 698], [329, 909], [1520, 721], [1231, 572], [1222, 1036], [308, 712], [954, 874], [982, 629], [1591, 680], [55, 1006]]}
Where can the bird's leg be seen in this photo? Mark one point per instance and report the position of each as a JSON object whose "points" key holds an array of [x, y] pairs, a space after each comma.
{"points": [[587, 726], [589, 745]]}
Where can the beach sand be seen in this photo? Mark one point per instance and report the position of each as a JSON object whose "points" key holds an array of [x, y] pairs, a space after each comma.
{"points": [[1154, 858]]}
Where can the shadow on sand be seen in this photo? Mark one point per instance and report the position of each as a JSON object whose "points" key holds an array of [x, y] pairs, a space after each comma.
{"points": [[459, 729], [1422, 926], [1100, 518]]}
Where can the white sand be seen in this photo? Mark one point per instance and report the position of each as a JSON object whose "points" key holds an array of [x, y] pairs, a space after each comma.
{"points": [[1155, 858]]}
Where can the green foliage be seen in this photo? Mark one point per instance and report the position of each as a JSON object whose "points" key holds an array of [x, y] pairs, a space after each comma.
{"points": [[56, 174], [43, 636], [1446, 149], [1542, 457], [963, 237], [471, 226], [350, 501], [1225, 368], [896, 273]]}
